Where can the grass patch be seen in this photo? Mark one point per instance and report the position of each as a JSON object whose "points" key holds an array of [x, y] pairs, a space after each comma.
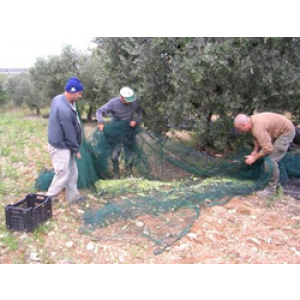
{"points": [[9, 240], [2, 187], [23, 145], [274, 198], [40, 232]]}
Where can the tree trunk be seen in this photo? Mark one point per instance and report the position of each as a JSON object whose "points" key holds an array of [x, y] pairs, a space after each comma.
{"points": [[38, 110], [206, 142], [209, 144], [90, 114]]}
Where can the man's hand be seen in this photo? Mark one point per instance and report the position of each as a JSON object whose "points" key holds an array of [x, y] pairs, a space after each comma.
{"points": [[250, 160], [133, 124], [78, 155], [254, 153], [100, 127]]}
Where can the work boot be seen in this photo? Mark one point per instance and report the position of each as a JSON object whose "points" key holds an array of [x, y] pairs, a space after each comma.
{"points": [[116, 169], [78, 200], [266, 193]]}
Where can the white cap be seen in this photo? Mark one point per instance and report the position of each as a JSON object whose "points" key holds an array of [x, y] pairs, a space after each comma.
{"points": [[128, 94]]}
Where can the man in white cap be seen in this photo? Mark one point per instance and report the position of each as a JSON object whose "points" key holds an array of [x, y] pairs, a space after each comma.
{"points": [[122, 108]]}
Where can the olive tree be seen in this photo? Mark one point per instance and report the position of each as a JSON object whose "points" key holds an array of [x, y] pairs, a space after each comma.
{"points": [[21, 90]]}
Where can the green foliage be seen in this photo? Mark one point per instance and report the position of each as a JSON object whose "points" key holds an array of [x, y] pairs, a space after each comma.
{"points": [[50, 74], [190, 80], [22, 90], [3, 94], [118, 61], [184, 81], [154, 76], [95, 82], [2, 77], [228, 76]]}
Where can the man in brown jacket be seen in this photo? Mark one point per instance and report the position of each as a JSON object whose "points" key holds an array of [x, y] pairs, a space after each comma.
{"points": [[272, 134]]}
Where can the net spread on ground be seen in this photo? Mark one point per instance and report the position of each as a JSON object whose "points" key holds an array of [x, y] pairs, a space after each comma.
{"points": [[169, 186]]}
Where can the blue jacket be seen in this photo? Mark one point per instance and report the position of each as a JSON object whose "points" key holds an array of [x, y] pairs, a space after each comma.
{"points": [[64, 130]]}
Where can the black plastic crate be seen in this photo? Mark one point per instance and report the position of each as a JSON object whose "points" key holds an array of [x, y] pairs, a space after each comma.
{"points": [[28, 213]]}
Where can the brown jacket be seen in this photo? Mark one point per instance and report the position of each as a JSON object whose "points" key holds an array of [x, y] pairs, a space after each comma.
{"points": [[267, 127]]}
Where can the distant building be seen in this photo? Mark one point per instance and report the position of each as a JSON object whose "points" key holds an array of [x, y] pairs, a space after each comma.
{"points": [[12, 70]]}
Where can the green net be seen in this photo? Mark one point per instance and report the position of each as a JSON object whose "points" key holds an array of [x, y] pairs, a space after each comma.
{"points": [[169, 186]]}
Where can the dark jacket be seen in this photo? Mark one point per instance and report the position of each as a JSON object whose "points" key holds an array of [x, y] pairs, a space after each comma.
{"points": [[64, 130]]}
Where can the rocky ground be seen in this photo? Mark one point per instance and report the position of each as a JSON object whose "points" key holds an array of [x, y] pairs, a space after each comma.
{"points": [[244, 231]]}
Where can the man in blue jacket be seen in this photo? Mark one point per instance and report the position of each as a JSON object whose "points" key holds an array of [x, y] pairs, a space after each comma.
{"points": [[64, 140]]}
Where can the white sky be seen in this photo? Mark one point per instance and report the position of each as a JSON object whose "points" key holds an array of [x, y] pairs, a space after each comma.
{"points": [[111, 18], [22, 52]]}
